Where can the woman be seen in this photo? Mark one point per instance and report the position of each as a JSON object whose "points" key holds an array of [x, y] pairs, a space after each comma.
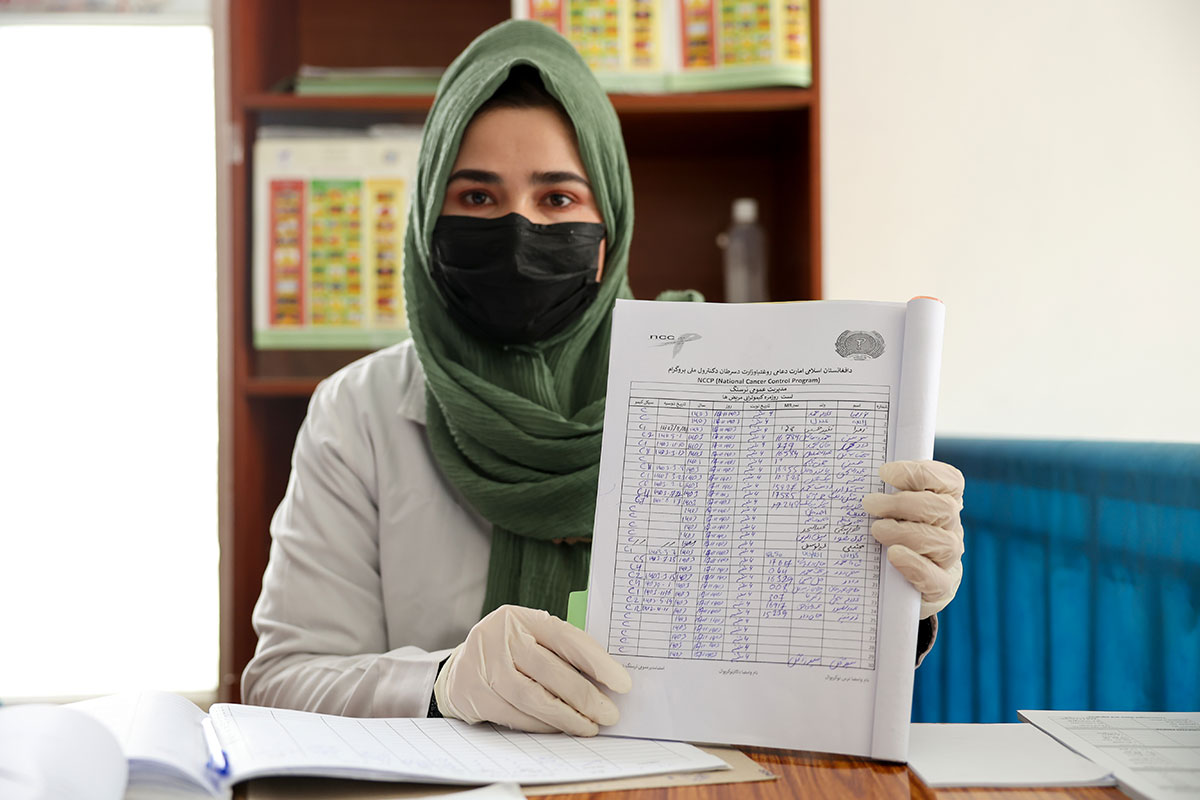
{"points": [[455, 473]]}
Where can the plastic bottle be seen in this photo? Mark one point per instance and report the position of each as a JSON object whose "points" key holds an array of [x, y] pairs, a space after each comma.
{"points": [[745, 246]]}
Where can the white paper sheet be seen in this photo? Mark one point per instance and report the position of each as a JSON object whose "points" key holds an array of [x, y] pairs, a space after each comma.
{"points": [[159, 733], [265, 741], [1014, 754], [733, 571], [327, 789], [496, 791], [1154, 756], [54, 751]]}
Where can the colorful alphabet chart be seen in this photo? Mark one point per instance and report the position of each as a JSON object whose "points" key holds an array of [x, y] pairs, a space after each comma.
{"points": [[732, 558], [286, 252], [336, 247], [329, 237], [387, 209], [683, 45]]}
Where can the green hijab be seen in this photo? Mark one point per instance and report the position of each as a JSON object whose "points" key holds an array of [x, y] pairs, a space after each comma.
{"points": [[517, 429]]}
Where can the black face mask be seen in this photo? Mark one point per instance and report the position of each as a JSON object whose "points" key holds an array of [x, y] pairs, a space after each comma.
{"points": [[512, 281]]}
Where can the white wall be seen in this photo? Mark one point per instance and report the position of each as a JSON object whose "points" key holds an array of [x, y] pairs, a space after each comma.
{"points": [[1035, 164]]}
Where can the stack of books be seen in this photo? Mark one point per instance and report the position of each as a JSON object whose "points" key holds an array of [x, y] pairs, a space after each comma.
{"points": [[367, 80]]}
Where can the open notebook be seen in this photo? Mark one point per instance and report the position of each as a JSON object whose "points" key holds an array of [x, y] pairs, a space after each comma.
{"points": [[169, 752]]}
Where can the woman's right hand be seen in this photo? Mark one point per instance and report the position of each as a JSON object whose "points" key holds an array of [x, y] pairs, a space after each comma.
{"points": [[523, 668]]}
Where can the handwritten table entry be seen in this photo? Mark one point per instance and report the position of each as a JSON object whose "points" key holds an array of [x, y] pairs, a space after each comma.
{"points": [[742, 534]]}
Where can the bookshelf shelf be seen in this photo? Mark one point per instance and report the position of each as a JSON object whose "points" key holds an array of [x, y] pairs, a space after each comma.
{"points": [[319, 102], [781, 99], [777, 99], [690, 155], [281, 387]]}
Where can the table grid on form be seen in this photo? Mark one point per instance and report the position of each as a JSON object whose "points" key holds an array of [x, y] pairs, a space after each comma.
{"points": [[742, 535]]}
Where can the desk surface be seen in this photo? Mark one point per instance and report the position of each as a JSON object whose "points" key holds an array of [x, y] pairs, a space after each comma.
{"points": [[817, 775]]}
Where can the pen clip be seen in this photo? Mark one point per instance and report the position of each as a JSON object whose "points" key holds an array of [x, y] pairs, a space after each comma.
{"points": [[218, 762]]}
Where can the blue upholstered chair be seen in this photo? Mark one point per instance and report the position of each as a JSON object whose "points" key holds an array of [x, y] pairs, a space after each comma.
{"points": [[1082, 582]]}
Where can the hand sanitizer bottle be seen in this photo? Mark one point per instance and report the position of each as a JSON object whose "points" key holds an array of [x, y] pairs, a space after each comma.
{"points": [[745, 246]]}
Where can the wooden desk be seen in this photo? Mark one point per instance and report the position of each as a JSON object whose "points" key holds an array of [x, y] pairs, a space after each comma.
{"points": [[816, 775]]}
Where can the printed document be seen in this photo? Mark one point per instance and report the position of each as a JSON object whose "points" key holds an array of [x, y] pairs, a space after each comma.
{"points": [[733, 571], [1154, 756]]}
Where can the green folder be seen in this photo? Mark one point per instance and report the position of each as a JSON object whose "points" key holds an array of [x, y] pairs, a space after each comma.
{"points": [[577, 609]]}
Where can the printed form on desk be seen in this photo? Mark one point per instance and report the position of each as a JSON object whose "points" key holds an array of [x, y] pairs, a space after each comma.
{"points": [[733, 571], [1154, 756]]}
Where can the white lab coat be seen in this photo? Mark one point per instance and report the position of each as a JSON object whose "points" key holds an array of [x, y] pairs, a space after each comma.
{"points": [[378, 565]]}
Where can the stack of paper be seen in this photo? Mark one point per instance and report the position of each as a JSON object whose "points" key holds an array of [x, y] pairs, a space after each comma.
{"points": [[367, 80], [1153, 756], [997, 755]]}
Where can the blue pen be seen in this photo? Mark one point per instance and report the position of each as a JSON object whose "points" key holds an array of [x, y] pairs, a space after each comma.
{"points": [[217, 760]]}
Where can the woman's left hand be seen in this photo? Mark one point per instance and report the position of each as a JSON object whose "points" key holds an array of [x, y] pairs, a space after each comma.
{"points": [[921, 527]]}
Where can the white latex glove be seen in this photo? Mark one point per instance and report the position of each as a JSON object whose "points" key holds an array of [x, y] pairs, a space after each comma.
{"points": [[921, 527], [521, 667]]}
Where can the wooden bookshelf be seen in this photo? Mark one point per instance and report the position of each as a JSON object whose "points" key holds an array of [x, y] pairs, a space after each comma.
{"points": [[775, 99], [690, 156]]}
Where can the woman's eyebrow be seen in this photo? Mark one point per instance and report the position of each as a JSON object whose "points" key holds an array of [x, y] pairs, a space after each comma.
{"points": [[476, 175], [558, 177]]}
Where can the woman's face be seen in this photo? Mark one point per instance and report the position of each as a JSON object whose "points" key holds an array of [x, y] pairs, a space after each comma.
{"points": [[521, 160]]}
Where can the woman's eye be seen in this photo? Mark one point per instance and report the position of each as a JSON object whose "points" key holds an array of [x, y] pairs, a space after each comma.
{"points": [[475, 198], [559, 200]]}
